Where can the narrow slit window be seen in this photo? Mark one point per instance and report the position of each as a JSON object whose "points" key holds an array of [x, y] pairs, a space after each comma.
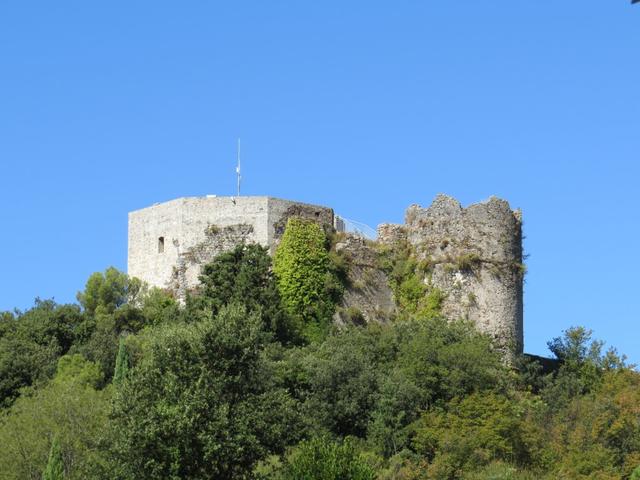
{"points": [[160, 244]]}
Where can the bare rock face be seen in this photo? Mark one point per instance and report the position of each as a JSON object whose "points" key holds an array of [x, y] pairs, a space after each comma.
{"points": [[475, 258], [390, 233], [368, 298]]}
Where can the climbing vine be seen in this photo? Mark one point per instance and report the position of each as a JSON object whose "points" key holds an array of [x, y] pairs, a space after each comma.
{"points": [[307, 280], [414, 296]]}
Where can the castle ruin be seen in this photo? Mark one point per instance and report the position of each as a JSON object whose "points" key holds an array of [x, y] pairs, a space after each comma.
{"points": [[475, 258], [474, 254]]}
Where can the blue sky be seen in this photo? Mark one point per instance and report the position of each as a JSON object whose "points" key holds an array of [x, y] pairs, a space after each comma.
{"points": [[368, 107]]}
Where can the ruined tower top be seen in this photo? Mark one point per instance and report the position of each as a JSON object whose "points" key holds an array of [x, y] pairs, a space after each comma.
{"points": [[475, 258]]}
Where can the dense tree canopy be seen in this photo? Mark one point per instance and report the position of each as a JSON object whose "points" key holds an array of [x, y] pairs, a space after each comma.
{"points": [[244, 276], [248, 380], [202, 403]]}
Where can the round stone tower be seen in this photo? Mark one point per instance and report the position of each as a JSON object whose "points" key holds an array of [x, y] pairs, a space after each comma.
{"points": [[474, 256]]}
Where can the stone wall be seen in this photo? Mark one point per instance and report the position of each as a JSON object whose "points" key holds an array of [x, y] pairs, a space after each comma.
{"points": [[194, 230], [368, 296], [474, 256], [281, 210]]}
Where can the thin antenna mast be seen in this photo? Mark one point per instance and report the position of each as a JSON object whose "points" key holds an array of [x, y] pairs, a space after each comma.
{"points": [[238, 168]]}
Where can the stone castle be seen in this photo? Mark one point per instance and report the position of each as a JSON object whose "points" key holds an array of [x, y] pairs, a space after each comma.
{"points": [[474, 254]]}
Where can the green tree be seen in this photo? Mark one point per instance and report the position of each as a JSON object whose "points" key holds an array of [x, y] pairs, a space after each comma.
{"points": [[55, 467], [115, 304], [447, 359], [502, 471], [308, 286], [122, 364], [244, 276], [31, 344], [76, 369], [157, 306], [324, 459], [341, 379], [598, 432], [433, 362], [201, 403], [105, 292], [398, 403], [69, 409], [582, 365], [470, 433]]}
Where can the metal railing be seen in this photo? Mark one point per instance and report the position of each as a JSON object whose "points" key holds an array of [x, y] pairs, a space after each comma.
{"points": [[355, 228]]}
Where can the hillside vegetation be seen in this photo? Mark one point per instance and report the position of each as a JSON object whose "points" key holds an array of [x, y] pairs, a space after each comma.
{"points": [[251, 380]]}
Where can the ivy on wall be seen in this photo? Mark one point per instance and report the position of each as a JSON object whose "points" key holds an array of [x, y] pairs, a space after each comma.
{"points": [[306, 277]]}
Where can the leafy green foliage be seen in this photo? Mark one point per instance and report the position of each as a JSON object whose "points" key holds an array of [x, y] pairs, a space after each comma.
{"points": [[470, 433], [69, 409], [31, 344], [76, 369], [224, 388], [373, 382], [501, 471], [582, 365], [55, 468], [115, 305], [105, 292], [201, 403], [122, 364], [414, 296], [307, 283], [323, 459], [243, 276], [341, 382]]}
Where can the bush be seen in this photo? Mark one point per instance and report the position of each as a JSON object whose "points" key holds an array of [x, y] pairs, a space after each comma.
{"points": [[323, 459], [202, 403]]}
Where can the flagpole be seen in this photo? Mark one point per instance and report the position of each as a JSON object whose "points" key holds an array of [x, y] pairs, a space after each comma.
{"points": [[238, 168]]}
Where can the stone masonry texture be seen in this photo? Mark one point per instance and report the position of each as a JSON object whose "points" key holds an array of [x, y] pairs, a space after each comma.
{"points": [[475, 258], [368, 291], [170, 242], [473, 254]]}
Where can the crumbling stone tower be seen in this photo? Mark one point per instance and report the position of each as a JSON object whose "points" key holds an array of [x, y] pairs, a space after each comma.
{"points": [[474, 256]]}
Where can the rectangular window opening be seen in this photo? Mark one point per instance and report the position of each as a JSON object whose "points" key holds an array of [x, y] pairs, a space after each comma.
{"points": [[160, 244]]}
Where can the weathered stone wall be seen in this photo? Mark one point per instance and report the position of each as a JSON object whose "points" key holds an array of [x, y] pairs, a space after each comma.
{"points": [[281, 210], [475, 257], [474, 254], [196, 229], [368, 292]]}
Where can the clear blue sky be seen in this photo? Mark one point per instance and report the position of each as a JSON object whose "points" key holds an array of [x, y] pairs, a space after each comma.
{"points": [[107, 107]]}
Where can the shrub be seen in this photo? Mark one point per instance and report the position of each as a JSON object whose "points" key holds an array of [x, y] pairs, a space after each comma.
{"points": [[324, 459], [308, 285]]}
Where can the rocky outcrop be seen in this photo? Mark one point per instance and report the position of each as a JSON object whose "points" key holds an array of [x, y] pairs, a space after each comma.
{"points": [[368, 297]]}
